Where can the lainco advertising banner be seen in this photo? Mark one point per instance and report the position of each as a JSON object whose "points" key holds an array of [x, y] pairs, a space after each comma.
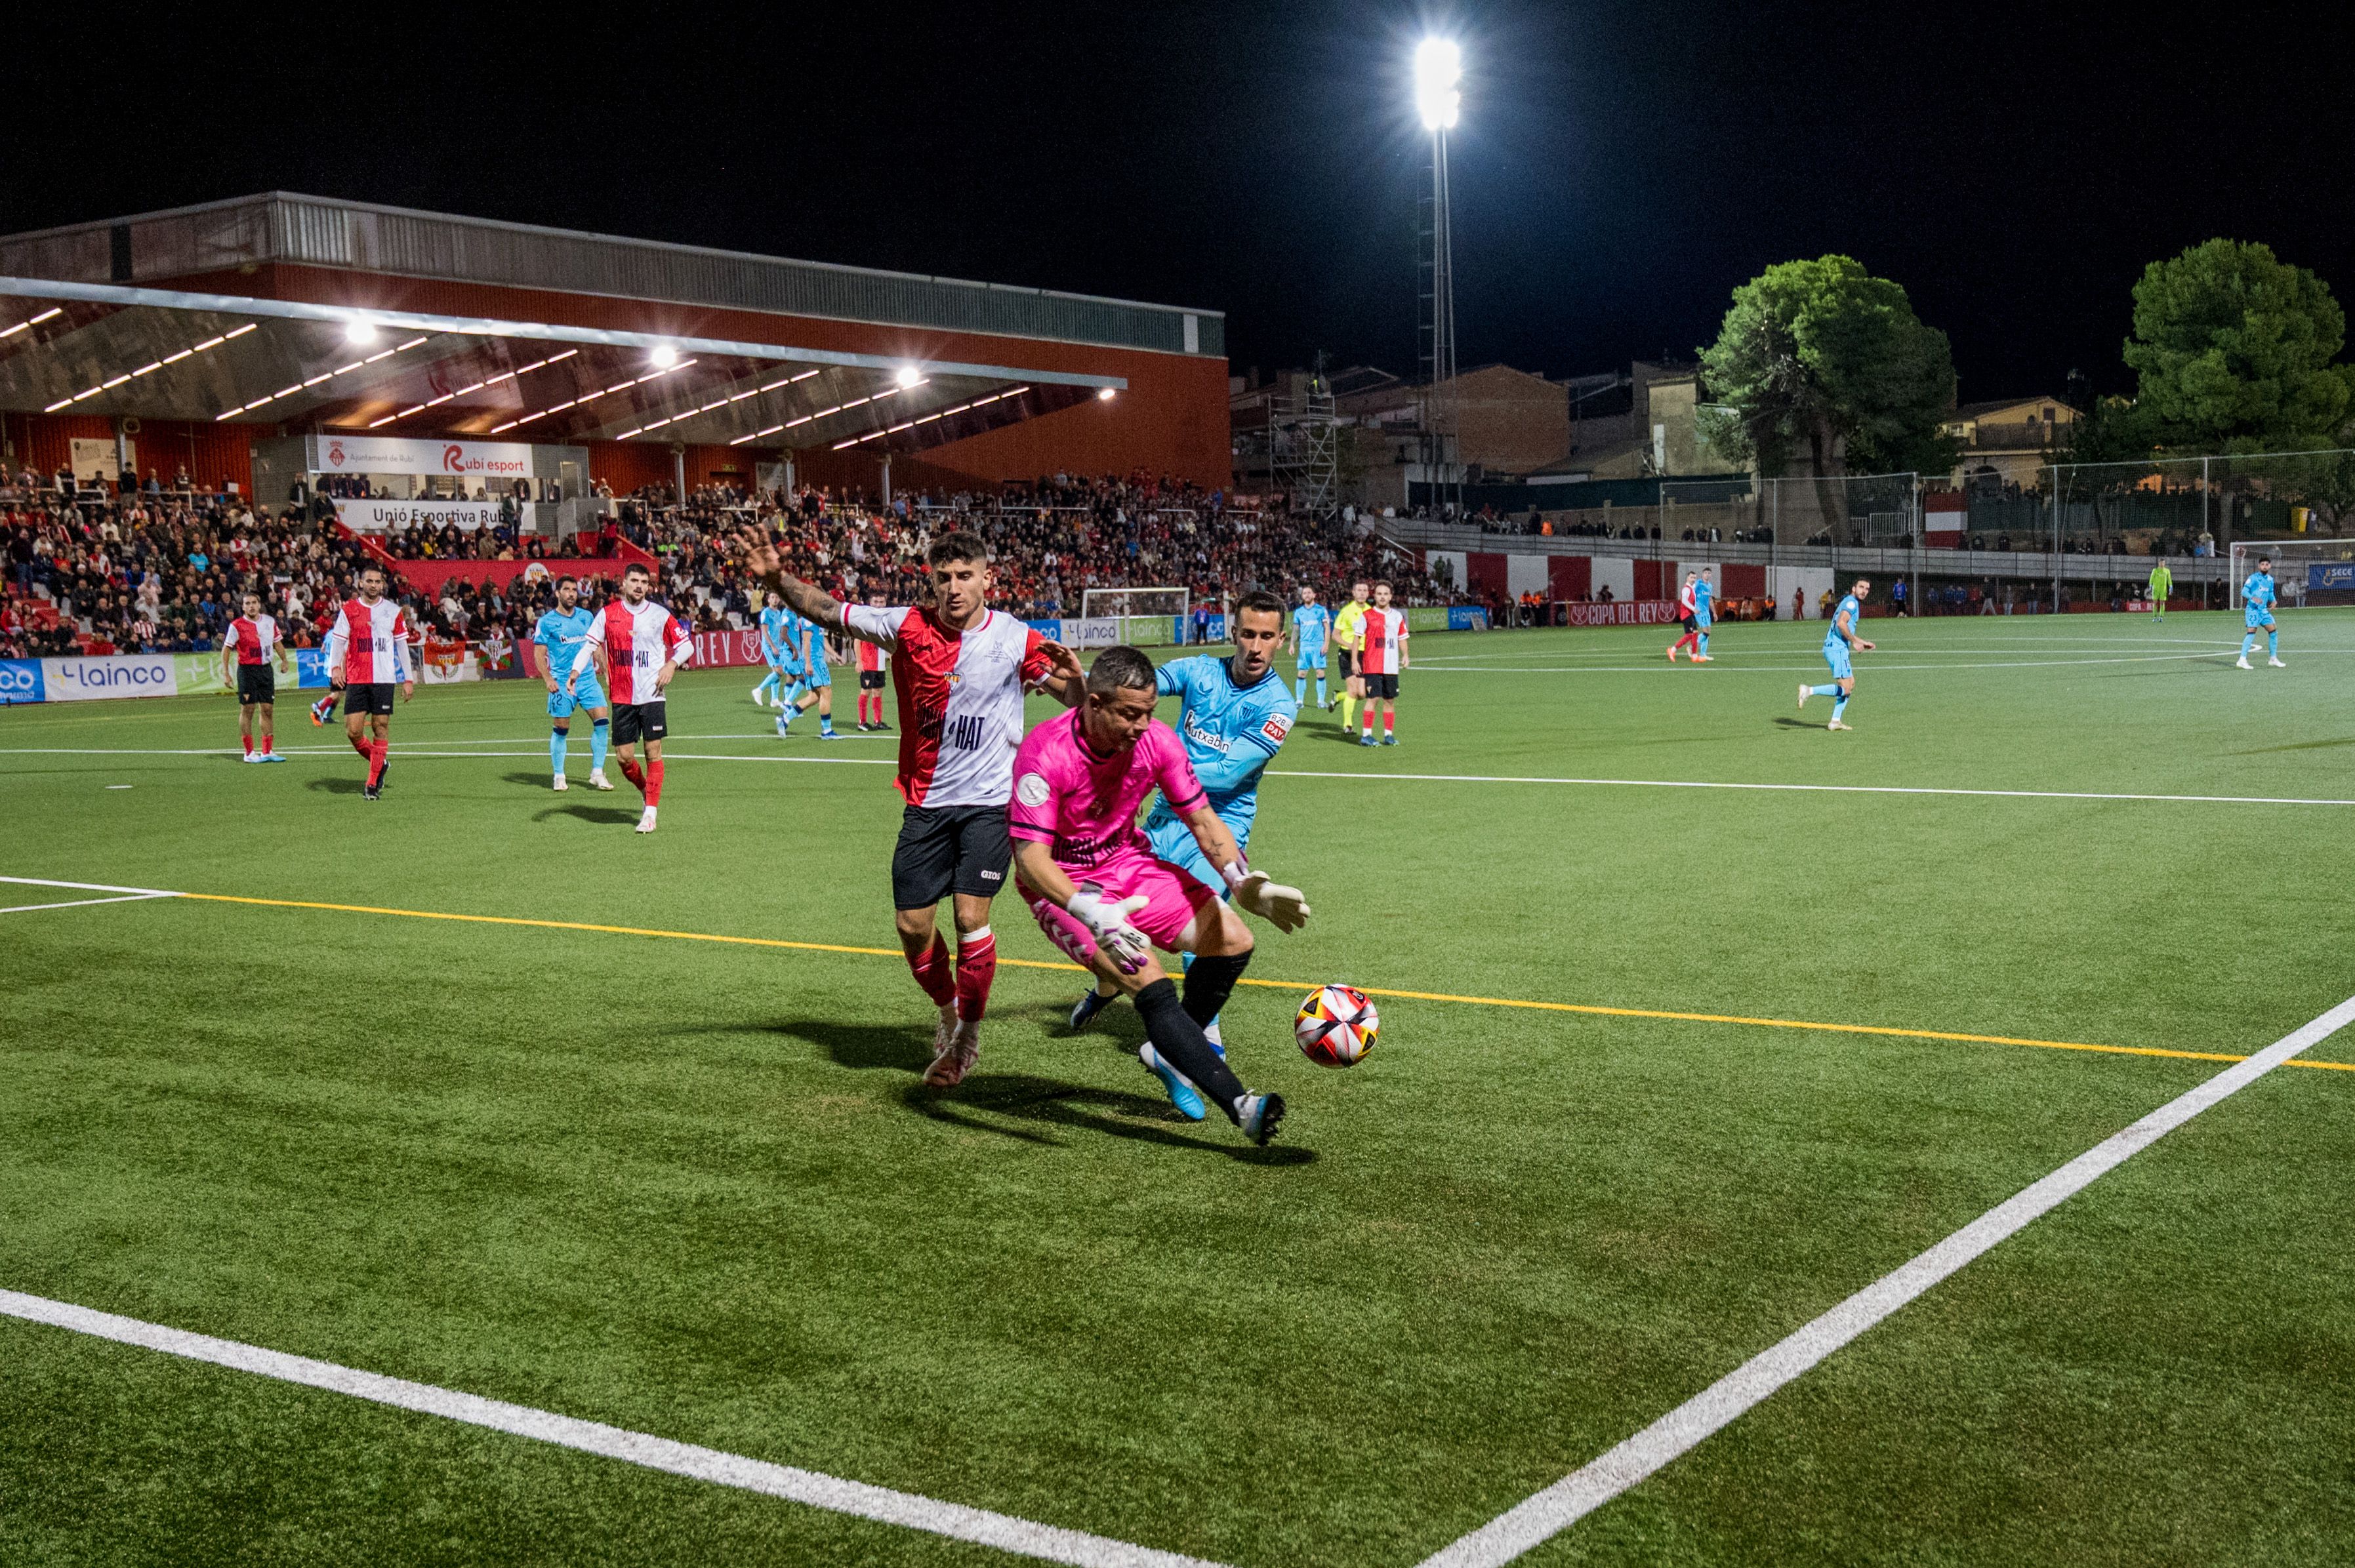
{"points": [[117, 675], [392, 454]]}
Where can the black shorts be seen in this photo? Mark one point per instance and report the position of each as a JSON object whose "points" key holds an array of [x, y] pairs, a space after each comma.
{"points": [[1382, 686], [367, 697], [256, 683], [948, 849], [1346, 661], [1693, 622], [871, 680], [633, 722]]}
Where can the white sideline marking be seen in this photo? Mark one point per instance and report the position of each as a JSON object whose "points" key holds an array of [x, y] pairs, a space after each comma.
{"points": [[90, 887], [1684, 1428], [1822, 788], [832, 1493], [1436, 667], [77, 902]]}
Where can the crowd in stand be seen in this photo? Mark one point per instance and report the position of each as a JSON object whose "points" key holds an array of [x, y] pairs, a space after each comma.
{"points": [[99, 568]]}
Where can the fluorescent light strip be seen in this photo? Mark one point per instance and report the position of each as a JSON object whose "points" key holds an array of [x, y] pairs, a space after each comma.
{"points": [[158, 365], [155, 364], [240, 331], [32, 322]]}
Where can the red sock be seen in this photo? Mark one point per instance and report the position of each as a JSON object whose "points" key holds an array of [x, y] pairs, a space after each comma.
{"points": [[376, 754], [631, 771], [248, 741], [359, 743], [976, 966], [1390, 721], [654, 782], [934, 973], [266, 748]]}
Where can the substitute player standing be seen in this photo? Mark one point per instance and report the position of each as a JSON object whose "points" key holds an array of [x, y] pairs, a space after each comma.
{"points": [[960, 668], [1101, 894], [2258, 596], [636, 647], [1381, 656], [870, 678], [1233, 714], [2162, 582], [1310, 623], [1840, 644], [559, 636], [1348, 627], [245, 662], [368, 655]]}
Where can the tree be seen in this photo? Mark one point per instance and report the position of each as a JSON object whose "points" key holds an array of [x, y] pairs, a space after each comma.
{"points": [[2235, 348], [1823, 358]]}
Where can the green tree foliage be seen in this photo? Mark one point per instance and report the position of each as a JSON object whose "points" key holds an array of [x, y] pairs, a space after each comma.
{"points": [[2234, 349], [1822, 359]]}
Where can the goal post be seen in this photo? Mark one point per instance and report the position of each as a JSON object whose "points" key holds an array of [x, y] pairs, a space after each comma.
{"points": [[2306, 571], [1146, 617]]}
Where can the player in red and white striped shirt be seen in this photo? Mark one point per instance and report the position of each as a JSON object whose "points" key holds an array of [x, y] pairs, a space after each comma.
{"points": [[245, 663], [871, 677], [636, 646], [1381, 654], [959, 669], [368, 655]]}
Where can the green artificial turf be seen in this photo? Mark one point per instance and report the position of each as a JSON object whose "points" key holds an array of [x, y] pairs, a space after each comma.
{"points": [[693, 1188]]}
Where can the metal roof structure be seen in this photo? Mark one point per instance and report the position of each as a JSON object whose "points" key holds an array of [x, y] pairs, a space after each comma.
{"points": [[317, 231]]}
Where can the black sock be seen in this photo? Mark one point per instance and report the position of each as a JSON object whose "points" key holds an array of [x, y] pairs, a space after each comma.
{"points": [[1210, 982], [1179, 1040]]}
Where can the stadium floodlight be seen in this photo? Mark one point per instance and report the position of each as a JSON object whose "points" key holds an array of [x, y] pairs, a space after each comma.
{"points": [[1103, 394], [910, 376], [665, 357], [1438, 67], [359, 330]]}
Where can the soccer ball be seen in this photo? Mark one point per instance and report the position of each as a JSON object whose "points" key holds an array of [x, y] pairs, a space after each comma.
{"points": [[1336, 1026]]}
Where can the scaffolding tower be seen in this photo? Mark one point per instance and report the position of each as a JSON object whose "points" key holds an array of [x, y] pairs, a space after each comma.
{"points": [[1304, 445]]}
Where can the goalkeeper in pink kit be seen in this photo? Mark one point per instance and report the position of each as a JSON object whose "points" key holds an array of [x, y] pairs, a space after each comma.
{"points": [[1101, 894]]}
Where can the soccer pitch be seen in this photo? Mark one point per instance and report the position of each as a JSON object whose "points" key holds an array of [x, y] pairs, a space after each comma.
{"points": [[1698, 1021]]}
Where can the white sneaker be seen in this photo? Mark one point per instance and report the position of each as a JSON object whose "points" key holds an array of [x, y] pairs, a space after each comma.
{"points": [[248, 756], [1804, 694], [2243, 663], [1839, 723], [646, 821], [597, 780], [560, 785], [758, 700], [2276, 663]]}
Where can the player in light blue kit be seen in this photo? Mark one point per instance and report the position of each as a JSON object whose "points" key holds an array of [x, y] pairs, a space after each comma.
{"points": [[1840, 642], [776, 651], [1310, 624], [814, 678], [1703, 594], [1234, 712], [559, 634], [2258, 596]]}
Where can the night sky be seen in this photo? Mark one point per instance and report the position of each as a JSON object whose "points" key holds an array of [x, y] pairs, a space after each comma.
{"points": [[1620, 167]]}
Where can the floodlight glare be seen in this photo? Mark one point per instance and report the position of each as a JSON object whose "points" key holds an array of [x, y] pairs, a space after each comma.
{"points": [[909, 375], [1438, 66], [1103, 394], [359, 333], [665, 357]]}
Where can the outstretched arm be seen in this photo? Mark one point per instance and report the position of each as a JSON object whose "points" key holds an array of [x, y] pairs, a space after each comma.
{"points": [[768, 566]]}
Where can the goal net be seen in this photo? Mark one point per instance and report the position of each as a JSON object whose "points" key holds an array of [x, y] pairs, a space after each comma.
{"points": [[1136, 601], [2306, 571]]}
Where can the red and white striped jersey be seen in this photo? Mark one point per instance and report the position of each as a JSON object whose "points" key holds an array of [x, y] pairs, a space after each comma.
{"points": [[960, 700], [255, 638], [638, 639], [870, 657], [1383, 641], [374, 639], [1685, 598]]}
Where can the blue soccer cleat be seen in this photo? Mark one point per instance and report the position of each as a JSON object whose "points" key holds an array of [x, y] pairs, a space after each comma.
{"points": [[1182, 1094]]}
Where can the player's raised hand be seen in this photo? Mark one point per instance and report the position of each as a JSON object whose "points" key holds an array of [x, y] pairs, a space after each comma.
{"points": [[759, 554], [1067, 663], [1109, 924], [1285, 907]]}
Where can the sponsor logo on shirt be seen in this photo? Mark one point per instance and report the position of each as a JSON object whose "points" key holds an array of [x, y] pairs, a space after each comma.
{"points": [[1276, 727]]}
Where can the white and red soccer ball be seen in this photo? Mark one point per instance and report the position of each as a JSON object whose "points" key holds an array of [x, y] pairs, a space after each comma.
{"points": [[1336, 1026]]}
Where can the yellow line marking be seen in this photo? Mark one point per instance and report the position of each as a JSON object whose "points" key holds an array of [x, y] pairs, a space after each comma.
{"points": [[1589, 1008]]}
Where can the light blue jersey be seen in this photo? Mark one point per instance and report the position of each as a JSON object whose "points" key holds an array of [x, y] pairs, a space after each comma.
{"points": [[1310, 624], [1836, 648], [560, 635], [815, 672], [1701, 592], [1230, 732], [779, 647], [2257, 598]]}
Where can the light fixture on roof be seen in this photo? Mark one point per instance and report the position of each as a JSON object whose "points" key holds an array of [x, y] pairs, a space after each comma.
{"points": [[665, 357], [1103, 394], [359, 330], [910, 376], [1438, 67]]}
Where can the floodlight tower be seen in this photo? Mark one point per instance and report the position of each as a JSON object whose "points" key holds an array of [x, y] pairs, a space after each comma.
{"points": [[1438, 70]]}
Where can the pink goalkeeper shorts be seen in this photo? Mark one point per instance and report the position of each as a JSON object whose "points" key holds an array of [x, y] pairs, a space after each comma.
{"points": [[1175, 900]]}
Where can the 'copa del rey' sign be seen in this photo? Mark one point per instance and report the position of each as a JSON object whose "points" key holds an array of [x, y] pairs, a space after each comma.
{"points": [[391, 454]]}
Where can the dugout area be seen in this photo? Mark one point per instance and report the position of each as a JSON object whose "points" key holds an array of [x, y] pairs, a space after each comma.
{"points": [[689, 1188]]}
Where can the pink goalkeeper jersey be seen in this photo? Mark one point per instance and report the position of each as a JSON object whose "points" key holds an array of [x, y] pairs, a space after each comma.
{"points": [[1083, 804]]}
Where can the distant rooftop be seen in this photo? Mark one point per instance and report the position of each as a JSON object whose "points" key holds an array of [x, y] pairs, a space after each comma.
{"points": [[318, 231]]}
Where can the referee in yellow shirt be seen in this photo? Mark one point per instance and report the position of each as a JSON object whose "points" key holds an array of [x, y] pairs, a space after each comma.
{"points": [[1349, 636]]}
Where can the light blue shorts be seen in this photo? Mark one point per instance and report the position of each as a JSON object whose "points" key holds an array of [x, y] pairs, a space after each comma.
{"points": [[1703, 619], [585, 694], [1311, 659], [1836, 654], [820, 674], [1173, 840], [2256, 619]]}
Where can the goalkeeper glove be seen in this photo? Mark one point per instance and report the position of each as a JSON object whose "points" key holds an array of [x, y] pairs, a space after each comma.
{"points": [[1108, 923], [1255, 893]]}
